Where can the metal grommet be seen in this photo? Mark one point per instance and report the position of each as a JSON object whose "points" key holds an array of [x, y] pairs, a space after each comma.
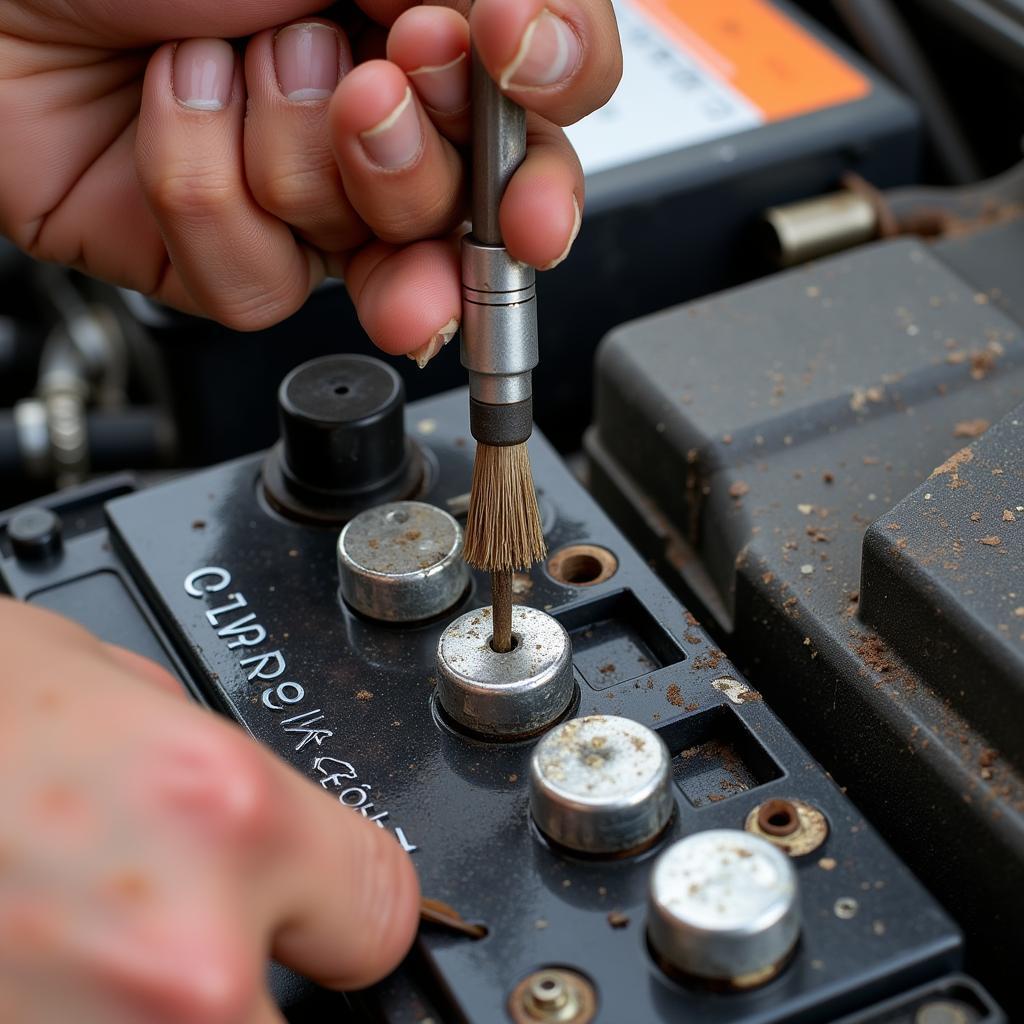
{"points": [[554, 995], [582, 565], [796, 827]]}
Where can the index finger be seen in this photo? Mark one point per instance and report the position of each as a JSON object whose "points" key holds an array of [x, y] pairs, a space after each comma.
{"points": [[346, 904], [559, 58]]}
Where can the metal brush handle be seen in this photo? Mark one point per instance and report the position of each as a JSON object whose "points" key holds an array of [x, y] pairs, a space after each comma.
{"points": [[499, 147], [499, 297]]}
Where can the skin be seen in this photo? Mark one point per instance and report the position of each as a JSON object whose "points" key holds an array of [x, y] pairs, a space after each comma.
{"points": [[151, 855], [236, 214]]}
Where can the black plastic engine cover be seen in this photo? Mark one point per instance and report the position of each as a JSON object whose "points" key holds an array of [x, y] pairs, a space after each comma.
{"points": [[779, 422]]}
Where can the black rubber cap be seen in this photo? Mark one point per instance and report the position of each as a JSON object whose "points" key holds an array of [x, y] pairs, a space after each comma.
{"points": [[501, 425], [343, 445], [35, 534]]}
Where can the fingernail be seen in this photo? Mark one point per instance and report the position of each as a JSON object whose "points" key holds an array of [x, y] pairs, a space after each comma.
{"points": [[548, 53], [203, 73], [397, 139], [577, 224], [444, 87], [425, 353], [307, 61]]}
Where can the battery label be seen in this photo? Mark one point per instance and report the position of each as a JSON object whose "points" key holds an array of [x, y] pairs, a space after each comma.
{"points": [[694, 71]]}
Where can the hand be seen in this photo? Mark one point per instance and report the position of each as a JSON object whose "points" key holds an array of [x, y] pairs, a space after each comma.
{"points": [[229, 180], [152, 856]]}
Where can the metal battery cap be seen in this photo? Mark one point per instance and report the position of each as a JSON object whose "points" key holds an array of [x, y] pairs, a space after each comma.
{"points": [[601, 785], [505, 696], [402, 562], [722, 906]]}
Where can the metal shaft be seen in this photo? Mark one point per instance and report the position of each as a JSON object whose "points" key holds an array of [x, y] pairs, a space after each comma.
{"points": [[499, 325], [501, 611], [499, 297], [499, 147]]}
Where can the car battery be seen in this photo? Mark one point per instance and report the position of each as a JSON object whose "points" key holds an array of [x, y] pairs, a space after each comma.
{"points": [[724, 109], [647, 842], [832, 477]]}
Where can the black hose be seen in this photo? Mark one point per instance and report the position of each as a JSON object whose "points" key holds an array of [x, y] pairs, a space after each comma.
{"points": [[883, 35], [128, 439]]}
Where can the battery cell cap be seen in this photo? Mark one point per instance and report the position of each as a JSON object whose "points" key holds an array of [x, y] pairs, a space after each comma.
{"points": [[343, 445], [601, 785], [505, 695], [402, 562], [722, 906]]}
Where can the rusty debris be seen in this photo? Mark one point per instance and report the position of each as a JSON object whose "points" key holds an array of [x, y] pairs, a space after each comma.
{"points": [[440, 913]]}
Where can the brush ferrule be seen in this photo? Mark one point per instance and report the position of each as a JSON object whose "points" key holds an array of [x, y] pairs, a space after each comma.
{"points": [[501, 425], [499, 323]]}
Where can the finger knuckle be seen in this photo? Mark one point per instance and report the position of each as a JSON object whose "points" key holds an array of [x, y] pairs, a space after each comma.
{"points": [[195, 193], [294, 193], [259, 310], [431, 216], [219, 781]]}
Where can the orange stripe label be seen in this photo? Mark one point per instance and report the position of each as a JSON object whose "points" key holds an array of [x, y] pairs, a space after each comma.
{"points": [[777, 65]]}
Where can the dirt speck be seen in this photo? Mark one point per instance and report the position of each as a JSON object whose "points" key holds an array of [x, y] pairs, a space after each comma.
{"points": [[1008, 516], [971, 428], [674, 697], [873, 652], [951, 467], [364, 695], [738, 489], [522, 587], [992, 541], [982, 363], [708, 661], [617, 919]]}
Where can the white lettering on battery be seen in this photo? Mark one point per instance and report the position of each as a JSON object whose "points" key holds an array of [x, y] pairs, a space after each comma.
{"points": [[334, 773], [301, 724]]}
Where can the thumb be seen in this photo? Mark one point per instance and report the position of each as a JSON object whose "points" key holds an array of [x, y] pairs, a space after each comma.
{"points": [[349, 896]]}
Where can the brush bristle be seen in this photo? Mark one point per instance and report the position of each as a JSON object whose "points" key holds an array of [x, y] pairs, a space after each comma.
{"points": [[503, 529]]}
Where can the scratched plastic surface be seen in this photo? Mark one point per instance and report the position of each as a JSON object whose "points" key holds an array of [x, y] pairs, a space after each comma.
{"points": [[348, 702]]}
